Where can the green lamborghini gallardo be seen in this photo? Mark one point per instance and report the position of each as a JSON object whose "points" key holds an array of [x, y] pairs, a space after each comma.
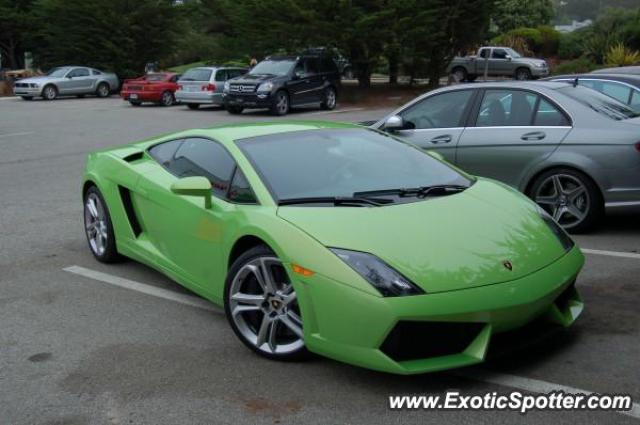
{"points": [[334, 239]]}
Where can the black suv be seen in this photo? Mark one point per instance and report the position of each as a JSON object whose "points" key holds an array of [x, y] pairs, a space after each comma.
{"points": [[281, 82]]}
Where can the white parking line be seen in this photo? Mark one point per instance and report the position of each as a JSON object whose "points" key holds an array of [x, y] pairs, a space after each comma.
{"points": [[531, 385], [505, 380], [611, 253], [143, 288], [16, 134]]}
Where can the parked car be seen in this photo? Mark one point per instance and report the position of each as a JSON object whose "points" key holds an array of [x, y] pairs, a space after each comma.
{"points": [[571, 149], [623, 88], [158, 88], [204, 85], [628, 70], [279, 83], [498, 62], [344, 66], [335, 239], [68, 80]]}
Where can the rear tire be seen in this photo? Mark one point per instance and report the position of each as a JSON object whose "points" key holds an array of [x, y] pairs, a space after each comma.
{"points": [[193, 106], [99, 228], [570, 197], [329, 99], [459, 74], [103, 90], [167, 99]]}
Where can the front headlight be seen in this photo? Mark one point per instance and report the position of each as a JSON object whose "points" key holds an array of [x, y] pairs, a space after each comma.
{"points": [[564, 239], [265, 87], [385, 279], [541, 65]]}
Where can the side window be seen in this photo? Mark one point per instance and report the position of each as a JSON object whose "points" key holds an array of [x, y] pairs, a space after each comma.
{"points": [[484, 53], [221, 75], [312, 66], [327, 65], [300, 68], [501, 108], [635, 101], [240, 191], [548, 115], [174, 79], [164, 152], [620, 92], [198, 157], [440, 111], [498, 54], [96, 72], [79, 72]]}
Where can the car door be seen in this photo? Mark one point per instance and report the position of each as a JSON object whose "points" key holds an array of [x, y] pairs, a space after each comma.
{"points": [[185, 235], [300, 85], [436, 122], [81, 80], [499, 64], [511, 131]]}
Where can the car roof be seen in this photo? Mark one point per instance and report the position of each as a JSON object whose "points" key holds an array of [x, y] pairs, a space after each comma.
{"points": [[612, 76], [532, 85]]}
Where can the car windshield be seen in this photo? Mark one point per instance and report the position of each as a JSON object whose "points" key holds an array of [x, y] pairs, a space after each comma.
{"points": [[58, 72], [273, 67], [600, 103], [196, 74], [342, 163], [513, 53]]}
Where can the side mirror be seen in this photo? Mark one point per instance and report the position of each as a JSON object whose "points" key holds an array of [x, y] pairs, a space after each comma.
{"points": [[508, 57], [298, 75], [394, 122], [194, 186]]}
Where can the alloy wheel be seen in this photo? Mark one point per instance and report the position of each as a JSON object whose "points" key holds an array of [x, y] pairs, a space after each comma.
{"points": [[167, 99], [95, 221], [330, 100], [282, 104], [50, 93], [565, 198], [264, 308], [103, 90]]}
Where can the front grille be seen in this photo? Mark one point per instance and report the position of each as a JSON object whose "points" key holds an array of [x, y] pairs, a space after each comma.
{"points": [[242, 88], [22, 85], [412, 340]]}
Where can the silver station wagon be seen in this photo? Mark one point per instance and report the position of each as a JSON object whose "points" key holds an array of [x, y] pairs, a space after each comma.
{"points": [[204, 85]]}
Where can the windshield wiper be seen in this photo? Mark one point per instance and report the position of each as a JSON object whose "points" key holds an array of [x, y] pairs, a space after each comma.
{"points": [[336, 200], [420, 192]]}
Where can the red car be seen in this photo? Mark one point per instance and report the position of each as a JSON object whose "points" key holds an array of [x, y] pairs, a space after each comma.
{"points": [[157, 87]]}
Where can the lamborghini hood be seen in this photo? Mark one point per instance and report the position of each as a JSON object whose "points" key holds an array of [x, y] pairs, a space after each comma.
{"points": [[485, 235]]}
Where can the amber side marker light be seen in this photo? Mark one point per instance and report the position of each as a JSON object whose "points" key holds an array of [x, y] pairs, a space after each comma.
{"points": [[301, 270]]}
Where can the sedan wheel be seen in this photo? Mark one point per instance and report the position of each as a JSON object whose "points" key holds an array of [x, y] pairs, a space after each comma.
{"points": [[167, 99], [103, 90], [569, 197], [523, 74], [262, 306]]}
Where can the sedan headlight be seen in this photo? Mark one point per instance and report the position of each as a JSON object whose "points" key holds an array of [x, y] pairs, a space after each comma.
{"points": [[265, 87], [564, 239], [541, 65], [227, 86], [385, 279]]}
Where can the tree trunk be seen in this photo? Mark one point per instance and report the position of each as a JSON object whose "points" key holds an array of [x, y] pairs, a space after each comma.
{"points": [[393, 69], [364, 75]]}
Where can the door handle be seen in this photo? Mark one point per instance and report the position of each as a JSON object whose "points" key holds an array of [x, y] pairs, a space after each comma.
{"points": [[534, 135], [445, 138]]}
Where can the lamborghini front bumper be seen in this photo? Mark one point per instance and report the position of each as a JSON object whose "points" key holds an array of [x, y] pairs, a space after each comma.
{"points": [[431, 332]]}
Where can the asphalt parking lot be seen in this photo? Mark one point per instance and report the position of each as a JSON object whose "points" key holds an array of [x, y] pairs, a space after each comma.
{"points": [[79, 346]]}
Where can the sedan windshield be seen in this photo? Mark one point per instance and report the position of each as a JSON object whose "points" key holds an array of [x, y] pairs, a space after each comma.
{"points": [[273, 67], [600, 103], [513, 53], [345, 163], [58, 72]]}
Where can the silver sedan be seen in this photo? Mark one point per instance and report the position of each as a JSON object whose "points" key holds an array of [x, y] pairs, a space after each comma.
{"points": [[67, 80], [573, 150]]}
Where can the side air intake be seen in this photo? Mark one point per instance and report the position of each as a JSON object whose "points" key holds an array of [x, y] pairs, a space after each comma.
{"points": [[125, 195]]}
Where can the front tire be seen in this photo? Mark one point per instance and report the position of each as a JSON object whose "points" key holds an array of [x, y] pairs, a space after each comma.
{"points": [[27, 97], [280, 105], [523, 74], [193, 106], [262, 308], [570, 197], [103, 90], [234, 110], [99, 228], [329, 99], [135, 102], [49, 92]]}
